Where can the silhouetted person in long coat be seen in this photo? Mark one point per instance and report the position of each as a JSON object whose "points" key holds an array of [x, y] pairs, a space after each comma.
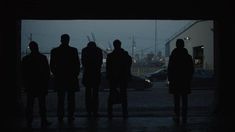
{"points": [[65, 66], [180, 71], [92, 59], [36, 74], [118, 65]]}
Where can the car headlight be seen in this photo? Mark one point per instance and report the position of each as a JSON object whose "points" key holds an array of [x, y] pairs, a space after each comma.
{"points": [[147, 80]]}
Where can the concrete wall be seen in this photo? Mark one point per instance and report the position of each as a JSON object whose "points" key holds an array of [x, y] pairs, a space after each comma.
{"points": [[199, 34]]}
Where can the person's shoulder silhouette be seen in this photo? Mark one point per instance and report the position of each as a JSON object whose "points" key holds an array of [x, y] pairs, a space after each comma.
{"points": [[118, 62], [36, 71], [92, 58], [65, 59], [91, 49], [180, 66]]}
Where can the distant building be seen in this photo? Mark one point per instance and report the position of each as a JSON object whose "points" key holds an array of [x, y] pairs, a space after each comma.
{"points": [[199, 40]]}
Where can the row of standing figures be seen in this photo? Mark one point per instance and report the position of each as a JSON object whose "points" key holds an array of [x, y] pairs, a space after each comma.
{"points": [[65, 66]]}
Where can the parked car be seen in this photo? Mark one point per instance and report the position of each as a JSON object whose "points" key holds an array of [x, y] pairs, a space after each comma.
{"points": [[159, 75], [137, 83], [202, 78]]}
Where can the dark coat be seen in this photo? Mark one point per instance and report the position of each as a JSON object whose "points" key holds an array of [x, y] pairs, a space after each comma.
{"points": [[180, 71], [118, 65], [36, 73], [65, 66], [92, 59]]}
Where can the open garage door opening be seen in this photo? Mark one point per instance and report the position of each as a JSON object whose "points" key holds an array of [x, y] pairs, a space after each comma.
{"points": [[149, 43]]}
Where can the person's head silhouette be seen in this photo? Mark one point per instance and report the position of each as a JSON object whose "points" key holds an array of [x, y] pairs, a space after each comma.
{"points": [[65, 39], [179, 43], [91, 44], [33, 46], [117, 44]]}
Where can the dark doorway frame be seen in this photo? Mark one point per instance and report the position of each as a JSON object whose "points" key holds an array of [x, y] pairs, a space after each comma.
{"points": [[221, 13]]}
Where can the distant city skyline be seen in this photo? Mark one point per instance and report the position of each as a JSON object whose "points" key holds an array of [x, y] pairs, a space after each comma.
{"points": [[142, 32]]}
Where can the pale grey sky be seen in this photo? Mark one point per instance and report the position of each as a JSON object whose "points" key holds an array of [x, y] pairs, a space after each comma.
{"points": [[47, 33]]}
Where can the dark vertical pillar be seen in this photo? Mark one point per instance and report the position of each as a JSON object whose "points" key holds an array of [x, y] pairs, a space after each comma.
{"points": [[9, 63], [224, 65]]}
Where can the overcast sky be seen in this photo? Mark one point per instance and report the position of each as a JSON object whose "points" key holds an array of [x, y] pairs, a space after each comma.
{"points": [[47, 33]]}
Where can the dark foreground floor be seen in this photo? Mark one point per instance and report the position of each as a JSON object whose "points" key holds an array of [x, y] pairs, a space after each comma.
{"points": [[118, 124]]}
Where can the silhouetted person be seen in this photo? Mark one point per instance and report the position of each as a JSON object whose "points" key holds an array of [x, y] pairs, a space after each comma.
{"points": [[180, 71], [118, 66], [65, 66], [92, 59], [36, 74]]}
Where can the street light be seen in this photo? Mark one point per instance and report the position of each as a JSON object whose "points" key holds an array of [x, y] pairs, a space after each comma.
{"points": [[187, 38]]}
